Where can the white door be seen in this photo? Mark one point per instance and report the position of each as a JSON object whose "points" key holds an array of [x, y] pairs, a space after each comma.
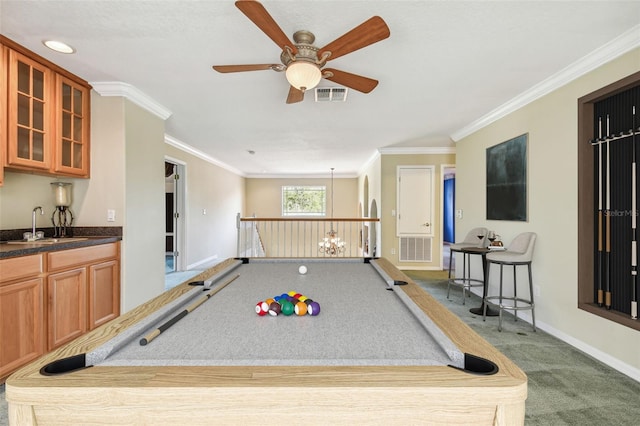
{"points": [[415, 201]]}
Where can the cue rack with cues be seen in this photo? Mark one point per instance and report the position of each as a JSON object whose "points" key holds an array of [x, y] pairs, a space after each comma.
{"points": [[616, 148]]}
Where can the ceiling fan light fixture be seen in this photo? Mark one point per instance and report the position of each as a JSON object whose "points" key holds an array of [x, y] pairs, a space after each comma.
{"points": [[303, 75]]}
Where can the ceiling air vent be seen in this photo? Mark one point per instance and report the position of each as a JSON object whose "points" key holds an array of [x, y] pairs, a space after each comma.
{"points": [[331, 94]]}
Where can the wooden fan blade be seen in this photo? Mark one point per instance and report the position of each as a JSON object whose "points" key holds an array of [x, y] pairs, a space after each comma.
{"points": [[259, 16], [295, 95], [241, 68], [369, 32], [353, 81]]}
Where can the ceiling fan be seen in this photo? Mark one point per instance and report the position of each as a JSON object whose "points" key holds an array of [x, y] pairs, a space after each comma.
{"points": [[303, 62]]}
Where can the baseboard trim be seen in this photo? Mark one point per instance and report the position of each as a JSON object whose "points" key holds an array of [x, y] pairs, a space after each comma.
{"points": [[202, 262]]}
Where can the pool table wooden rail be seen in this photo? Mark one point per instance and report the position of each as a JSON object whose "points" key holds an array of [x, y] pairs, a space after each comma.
{"points": [[245, 394]]}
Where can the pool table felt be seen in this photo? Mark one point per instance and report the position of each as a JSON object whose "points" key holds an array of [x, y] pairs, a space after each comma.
{"points": [[363, 321]]}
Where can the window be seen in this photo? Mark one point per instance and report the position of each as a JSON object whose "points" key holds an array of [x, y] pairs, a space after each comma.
{"points": [[304, 200]]}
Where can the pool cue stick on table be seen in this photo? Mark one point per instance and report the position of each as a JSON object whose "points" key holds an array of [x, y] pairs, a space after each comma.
{"points": [[634, 212], [607, 294], [600, 292], [155, 333]]}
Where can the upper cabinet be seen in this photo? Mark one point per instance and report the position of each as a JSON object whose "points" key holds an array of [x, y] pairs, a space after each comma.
{"points": [[3, 111], [29, 115], [71, 131], [47, 116]]}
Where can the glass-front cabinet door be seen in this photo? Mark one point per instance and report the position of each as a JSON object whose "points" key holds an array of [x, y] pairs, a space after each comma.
{"points": [[72, 128], [29, 113]]}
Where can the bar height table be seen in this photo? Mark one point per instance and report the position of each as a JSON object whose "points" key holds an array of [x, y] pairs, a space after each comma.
{"points": [[482, 251]]}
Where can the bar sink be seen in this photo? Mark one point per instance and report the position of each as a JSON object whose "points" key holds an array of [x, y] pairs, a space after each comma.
{"points": [[48, 241]]}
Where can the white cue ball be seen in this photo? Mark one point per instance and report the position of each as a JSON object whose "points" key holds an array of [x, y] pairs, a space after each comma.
{"points": [[302, 269]]}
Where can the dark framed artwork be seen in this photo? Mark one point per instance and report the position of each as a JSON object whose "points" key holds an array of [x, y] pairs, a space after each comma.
{"points": [[507, 180]]}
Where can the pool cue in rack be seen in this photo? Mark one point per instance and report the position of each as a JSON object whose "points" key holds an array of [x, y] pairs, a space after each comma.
{"points": [[634, 212]]}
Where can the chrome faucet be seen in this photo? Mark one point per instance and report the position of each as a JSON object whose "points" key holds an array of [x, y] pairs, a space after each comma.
{"points": [[33, 221]]}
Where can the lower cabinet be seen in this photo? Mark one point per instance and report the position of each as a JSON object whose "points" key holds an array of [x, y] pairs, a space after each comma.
{"points": [[66, 306], [83, 289], [104, 293], [49, 299], [21, 324]]}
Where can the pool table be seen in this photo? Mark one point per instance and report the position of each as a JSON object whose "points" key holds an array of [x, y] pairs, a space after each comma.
{"points": [[381, 350]]}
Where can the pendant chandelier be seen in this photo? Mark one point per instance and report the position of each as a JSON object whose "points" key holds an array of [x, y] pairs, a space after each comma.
{"points": [[331, 245]]}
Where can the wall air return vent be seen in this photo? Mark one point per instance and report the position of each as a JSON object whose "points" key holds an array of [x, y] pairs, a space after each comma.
{"points": [[331, 94], [415, 249]]}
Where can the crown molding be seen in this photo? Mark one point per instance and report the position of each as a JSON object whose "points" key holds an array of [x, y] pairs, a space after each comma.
{"points": [[118, 88], [176, 143], [620, 45], [170, 140], [369, 163], [302, 176], [418, 150]]}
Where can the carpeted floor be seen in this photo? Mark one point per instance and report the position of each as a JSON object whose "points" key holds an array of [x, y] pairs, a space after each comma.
{"points": [[565, 385]]}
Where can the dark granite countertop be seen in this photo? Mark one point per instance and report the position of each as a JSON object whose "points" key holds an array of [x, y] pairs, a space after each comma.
{"points": [[82, 237], [14, 250]]}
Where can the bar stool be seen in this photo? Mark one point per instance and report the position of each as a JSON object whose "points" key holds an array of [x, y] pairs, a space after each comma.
{"points": [[519, 253], [466, 282]]}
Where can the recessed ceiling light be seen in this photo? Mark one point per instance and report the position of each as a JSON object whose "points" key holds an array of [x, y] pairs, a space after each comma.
{"points": [[59, 46]]}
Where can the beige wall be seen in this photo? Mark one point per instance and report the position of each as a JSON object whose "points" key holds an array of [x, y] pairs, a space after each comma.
{"points": [[372, 201], [390, 247], [263, 199], [551, 123], [144, 231], [214, 197], [106, 188], [263, 196]]}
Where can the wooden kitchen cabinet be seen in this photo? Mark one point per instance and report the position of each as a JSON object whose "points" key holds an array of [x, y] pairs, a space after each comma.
{"points": [[66, 306], [71, 130], [4, 52], [21, 312], [30, 101], [50, 298], [104, 293], [47, 115], [83, 291]]}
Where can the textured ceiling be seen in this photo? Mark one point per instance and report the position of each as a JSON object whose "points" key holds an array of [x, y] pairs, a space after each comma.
{"points": [[446, 65]]}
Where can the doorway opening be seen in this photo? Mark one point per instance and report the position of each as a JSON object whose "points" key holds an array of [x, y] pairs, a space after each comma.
{"points": [[174, 214], [448, 212]]}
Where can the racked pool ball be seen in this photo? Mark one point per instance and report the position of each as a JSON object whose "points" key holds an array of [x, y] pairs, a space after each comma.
{"points": [[301, 308], [286, 308], [274, 309], [262, 308], [313, 308]]}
